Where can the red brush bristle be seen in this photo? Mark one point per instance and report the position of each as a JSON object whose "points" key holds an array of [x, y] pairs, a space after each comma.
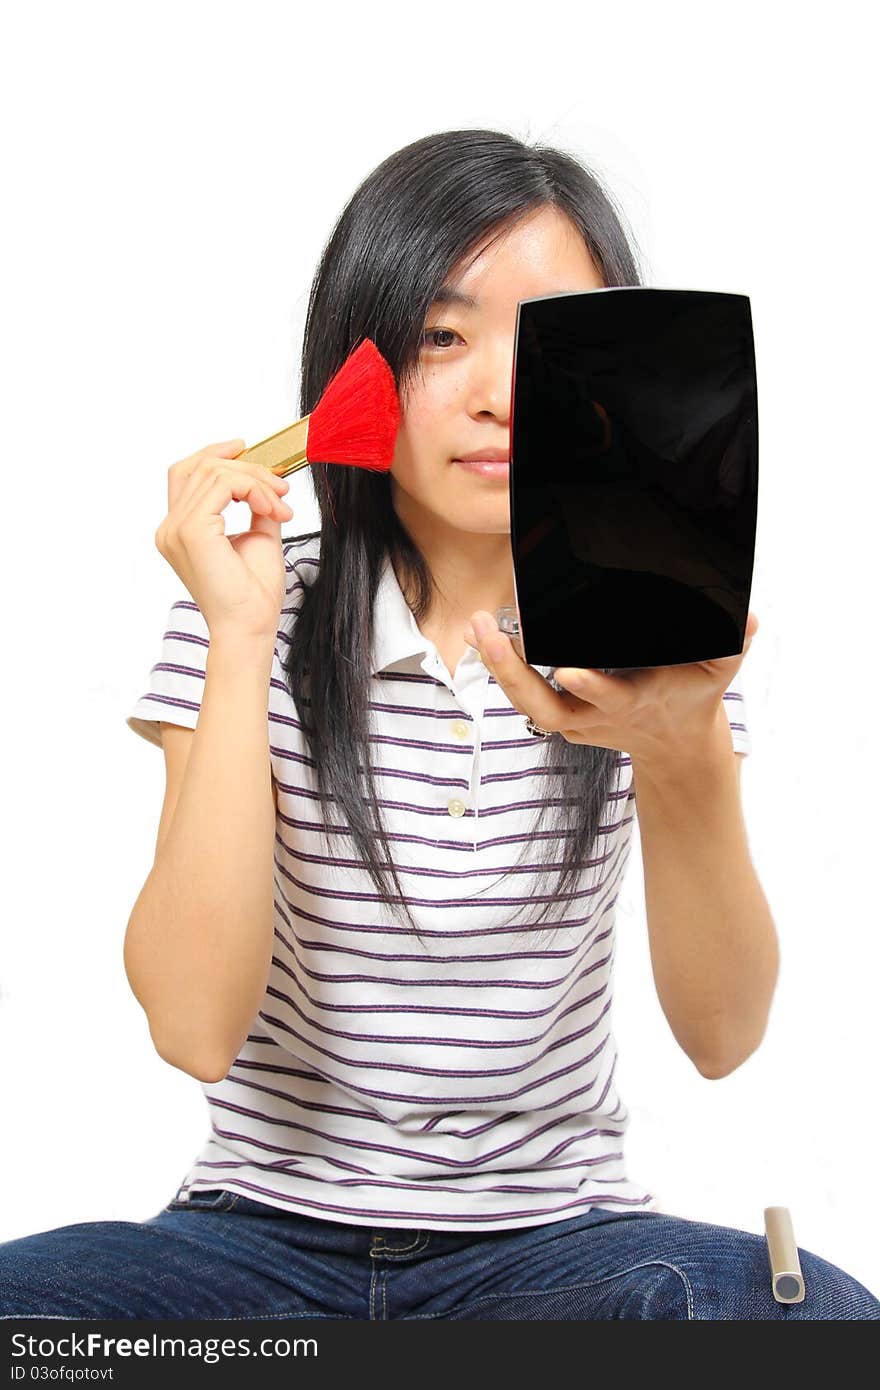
{"points": [[357, 418]]}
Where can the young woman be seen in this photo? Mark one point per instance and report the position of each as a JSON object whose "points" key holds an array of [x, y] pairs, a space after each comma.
{"points": [[379, 928]]}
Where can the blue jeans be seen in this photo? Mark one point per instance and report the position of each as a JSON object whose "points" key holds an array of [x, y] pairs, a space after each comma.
{"points": [[223, 1255]]}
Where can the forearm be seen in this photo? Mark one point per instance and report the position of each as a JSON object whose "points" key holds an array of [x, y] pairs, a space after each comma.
{"points": [[714, 950], [198, 945]]}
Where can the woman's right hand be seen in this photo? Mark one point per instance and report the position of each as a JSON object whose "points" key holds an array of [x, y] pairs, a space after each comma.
{"points": [[237, 581]]}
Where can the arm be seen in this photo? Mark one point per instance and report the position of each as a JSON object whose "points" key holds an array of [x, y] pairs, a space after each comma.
{"points": [[713, 943], [714, 950], [198, 945]]}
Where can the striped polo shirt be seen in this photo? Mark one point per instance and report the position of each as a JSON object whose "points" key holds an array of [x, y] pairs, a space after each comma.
{"points": [[465, 1081]]}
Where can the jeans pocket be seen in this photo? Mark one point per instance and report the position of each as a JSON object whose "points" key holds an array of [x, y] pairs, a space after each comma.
{"points": [[204, 1199]]}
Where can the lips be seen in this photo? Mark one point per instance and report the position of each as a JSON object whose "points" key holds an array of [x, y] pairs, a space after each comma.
{"points": [[485, 456], [485, 467]]}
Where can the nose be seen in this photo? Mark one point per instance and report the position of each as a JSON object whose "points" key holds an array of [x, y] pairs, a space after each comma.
{"points": [[491, 381]]}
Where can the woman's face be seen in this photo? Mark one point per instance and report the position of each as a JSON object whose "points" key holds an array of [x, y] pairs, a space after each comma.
{"points": [[461, 403]]}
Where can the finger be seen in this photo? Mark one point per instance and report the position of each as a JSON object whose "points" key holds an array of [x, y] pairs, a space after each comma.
{"points": [[211, 462], [526, 688], [183, 475], [726, 667], [609, 694], [246, 484], [186, 477], [221, 486], [227, 448], [271, 523], [751, 629]]}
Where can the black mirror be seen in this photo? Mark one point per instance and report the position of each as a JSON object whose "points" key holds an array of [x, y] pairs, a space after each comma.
{"points": [[634, 476]]}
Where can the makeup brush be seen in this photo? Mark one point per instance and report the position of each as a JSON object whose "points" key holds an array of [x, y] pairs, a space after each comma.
{"points": [[355, 421]]}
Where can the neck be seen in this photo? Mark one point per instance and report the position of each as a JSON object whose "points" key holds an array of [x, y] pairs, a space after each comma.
{"points": [[470, 570]]}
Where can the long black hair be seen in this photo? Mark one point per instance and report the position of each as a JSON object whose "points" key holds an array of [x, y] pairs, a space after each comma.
{"points": [[408, 225]]}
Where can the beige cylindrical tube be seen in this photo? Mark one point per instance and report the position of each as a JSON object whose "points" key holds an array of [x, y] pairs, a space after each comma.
{"points": [[785, 1265]]}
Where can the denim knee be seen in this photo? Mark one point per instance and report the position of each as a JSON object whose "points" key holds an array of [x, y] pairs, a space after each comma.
{"points": [[829, 1292], [736, 1283]]}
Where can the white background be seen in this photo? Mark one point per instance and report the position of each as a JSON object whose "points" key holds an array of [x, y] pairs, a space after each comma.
{"points": [[171, 173]]}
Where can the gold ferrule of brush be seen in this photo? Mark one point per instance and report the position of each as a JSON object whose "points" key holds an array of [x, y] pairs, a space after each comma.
{"points": [[283, 452]]}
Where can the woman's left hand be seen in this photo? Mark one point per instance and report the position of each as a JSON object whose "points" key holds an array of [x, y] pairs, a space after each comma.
{"points": [[654, 715]]}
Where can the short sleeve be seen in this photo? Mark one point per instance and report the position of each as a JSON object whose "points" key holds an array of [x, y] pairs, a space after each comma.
{"points": [[735, 709], [177, 681]]}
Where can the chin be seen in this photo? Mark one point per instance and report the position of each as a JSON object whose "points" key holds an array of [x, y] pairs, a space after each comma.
{"points": [[483, 526]]}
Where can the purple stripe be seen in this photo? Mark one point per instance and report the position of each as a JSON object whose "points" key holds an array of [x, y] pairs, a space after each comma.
{"points": [[398, 741], [390, 1039], [405, 677], [411, 958], [456, 1011], [486, 745], [418, 710], [569, 923], [227, 1106], [324, 1108], [366, 896], [229, 1165], [297, 1158], [438, 983], [428, 871], [172, 701], [303, 559], [296, 756], [460, 1011], [365, 929], [454, 1073], [395, 1151], [295, 1154], [576, 1094], [331, 1209], [194, 638], [317, 827], [180, 670], [416, 808], [370, 1116]]}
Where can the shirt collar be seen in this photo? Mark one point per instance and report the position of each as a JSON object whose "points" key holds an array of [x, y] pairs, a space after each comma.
{"points": [[396, 635]]}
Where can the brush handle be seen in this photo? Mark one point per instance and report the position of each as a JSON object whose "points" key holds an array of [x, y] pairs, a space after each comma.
{"points": [[281, 453]]}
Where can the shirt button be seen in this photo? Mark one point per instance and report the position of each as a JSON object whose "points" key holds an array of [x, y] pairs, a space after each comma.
{"points": [[460, 728], [455, 807]]}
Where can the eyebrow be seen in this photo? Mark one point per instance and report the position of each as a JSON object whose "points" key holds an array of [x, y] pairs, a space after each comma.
{"points": [[447, 294]]}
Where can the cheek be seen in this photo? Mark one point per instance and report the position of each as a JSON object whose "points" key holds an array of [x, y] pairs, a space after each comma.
{"points": [[437, 402], [427, 431]]}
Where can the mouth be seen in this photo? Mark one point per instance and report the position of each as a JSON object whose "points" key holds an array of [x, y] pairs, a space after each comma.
{"points": [[486, 468]]}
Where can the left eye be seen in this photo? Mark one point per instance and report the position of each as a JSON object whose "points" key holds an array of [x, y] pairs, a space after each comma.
{"points": [[433, 333]]}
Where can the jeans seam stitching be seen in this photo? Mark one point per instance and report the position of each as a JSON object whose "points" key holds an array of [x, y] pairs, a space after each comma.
{"points": [[569, 1288], [404, 1252], [389, 1251]]}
